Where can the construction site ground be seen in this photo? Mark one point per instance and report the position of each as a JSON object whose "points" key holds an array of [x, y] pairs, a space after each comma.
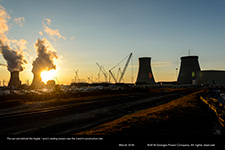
{"points": [[143, 116], [186, 119]]}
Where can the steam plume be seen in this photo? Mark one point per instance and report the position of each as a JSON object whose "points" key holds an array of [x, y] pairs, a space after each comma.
{"points": [[46, 56], [3, 24], [44, 61], [15, 59]]}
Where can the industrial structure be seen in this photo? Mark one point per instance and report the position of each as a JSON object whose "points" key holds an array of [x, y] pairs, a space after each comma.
{"points": [[14, 80], [145, 75], [211, 77], [189, 73], [101, 69], [118, 79], [188, 70], [37, 82]]}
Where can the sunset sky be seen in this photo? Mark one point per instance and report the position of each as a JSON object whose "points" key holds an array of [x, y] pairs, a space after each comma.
{"points": [[84, 32]]}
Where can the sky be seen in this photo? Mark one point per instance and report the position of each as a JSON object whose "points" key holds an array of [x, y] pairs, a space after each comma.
{"points": [[84, 32]]}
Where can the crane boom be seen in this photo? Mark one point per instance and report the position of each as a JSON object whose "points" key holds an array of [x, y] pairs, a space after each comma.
{"points": [[102, 72], [123, 72], [112, 76], [125, 67], [89, 79], [76, 75]]}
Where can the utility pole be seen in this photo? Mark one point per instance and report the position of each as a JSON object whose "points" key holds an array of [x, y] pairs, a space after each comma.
{"points": [[176, 72]]}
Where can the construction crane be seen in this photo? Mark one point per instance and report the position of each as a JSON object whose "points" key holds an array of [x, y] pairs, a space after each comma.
{"points": [[124, 69], [76, 75], [110, 72], [90, 79], [103, 71]]}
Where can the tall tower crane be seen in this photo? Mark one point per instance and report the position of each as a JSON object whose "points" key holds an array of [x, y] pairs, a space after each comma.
{"points": [[124, 69]]}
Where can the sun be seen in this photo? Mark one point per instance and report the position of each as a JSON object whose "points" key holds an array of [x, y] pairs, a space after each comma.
{"points": [[48, 75]]}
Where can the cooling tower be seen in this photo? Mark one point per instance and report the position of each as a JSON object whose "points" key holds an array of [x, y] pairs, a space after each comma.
{"points": [[188, 69], [145, 75], [14, 79], [37, 82]]}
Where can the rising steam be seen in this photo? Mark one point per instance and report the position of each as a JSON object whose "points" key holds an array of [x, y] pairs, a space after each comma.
{"points": [[45, 60], [4, 17], [15, 58]]}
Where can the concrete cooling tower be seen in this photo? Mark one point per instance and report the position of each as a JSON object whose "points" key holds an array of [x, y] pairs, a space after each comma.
{"points": [[188, 69], [145, 76], [14, 79], [37, 82]]}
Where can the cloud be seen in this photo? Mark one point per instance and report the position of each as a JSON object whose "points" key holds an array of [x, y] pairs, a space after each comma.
{"points": [[12, 54], [48, 21], [41, 33], [4, 17], [161, 64], [51, 32], [19, 21], [21, 44]]}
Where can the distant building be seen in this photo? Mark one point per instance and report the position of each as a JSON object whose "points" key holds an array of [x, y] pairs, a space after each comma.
{"points": [[211, 77]]}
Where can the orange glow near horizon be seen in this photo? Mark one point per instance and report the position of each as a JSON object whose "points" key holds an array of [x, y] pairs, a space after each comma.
{"points": [[48, 75]]}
